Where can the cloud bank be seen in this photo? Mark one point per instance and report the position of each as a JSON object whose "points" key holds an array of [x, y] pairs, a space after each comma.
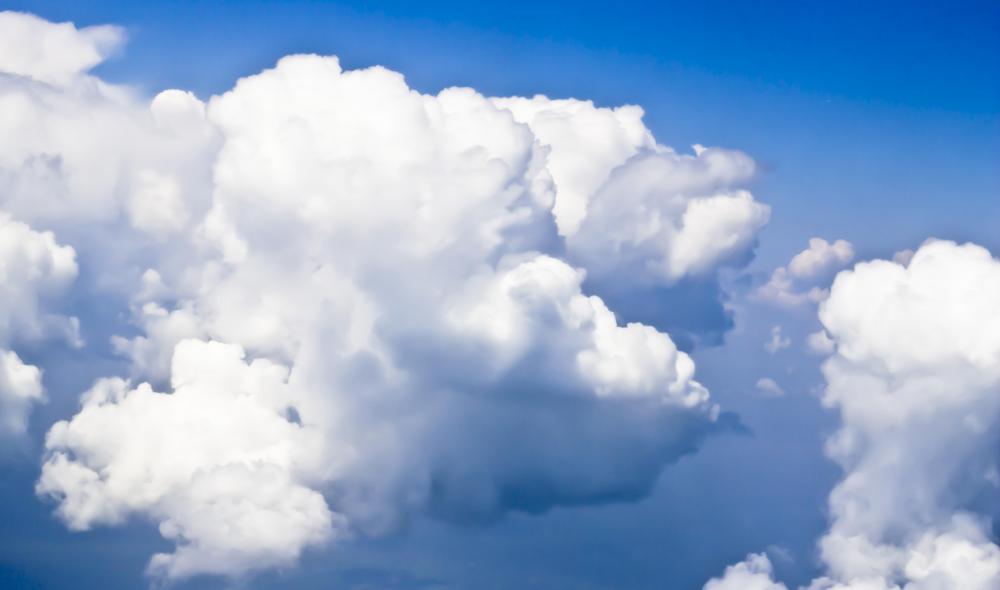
{"points": [[354, 302]]}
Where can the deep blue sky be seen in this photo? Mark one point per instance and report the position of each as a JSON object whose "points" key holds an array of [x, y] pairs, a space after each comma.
{"points": [[875, 122]]}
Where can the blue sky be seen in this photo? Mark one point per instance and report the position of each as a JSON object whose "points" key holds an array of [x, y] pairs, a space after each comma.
{"points": [[878, 123]]}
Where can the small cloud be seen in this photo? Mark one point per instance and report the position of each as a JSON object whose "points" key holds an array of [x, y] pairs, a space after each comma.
{"points": [[804, 279], [769, 387], [777, 342]]}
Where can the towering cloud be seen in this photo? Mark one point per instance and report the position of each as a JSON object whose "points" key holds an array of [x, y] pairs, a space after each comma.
{"points": [[356, 302], [916, 378]]}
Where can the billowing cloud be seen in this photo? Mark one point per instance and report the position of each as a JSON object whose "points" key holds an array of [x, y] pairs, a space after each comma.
{"points": [[806, 275], [916, 379], [356, 302], [651, 226]]}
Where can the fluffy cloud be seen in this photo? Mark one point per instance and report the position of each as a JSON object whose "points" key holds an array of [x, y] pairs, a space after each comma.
{"points": [[663, 216], [20, 386], [356, 302], [217, 462], [803, 279], [754, 573], [651, 226], [34, 269], [49, 52], [916, 379]]}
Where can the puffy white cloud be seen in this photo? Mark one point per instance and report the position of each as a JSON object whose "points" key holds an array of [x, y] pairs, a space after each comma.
{"points": [[579, 163], [754, 573], [916, 379], [662, 216], [803, 280], [629, 206], [34, 269], [361, 302], [217, 462], [820, 258], [20, 386], [50, 52]]}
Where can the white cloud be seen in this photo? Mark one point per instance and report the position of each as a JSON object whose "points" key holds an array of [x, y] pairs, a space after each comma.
{"points": [[754, 573], [769, 387], [357, 293], [805, 277], [916, 379], [820, 258], [20, 386], [217, 462], [34, 270], [777, 341], [50, 52], [662, 216], [578, 164]]}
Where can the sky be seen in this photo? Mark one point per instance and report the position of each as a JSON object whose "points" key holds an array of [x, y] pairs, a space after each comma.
{"points": [[408, 336]]}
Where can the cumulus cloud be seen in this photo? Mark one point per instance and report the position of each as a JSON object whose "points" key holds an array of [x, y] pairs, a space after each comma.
{"points": [[20, 386], [916, 379], [217, 462], [754, 573], [355, 302], [34, 269], [644, 220], [651, 226], [804, 278]]}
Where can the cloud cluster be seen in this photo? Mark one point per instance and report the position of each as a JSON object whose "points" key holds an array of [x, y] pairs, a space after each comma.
{"points": [[916, 379], [805, 276], [355, 302]]}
